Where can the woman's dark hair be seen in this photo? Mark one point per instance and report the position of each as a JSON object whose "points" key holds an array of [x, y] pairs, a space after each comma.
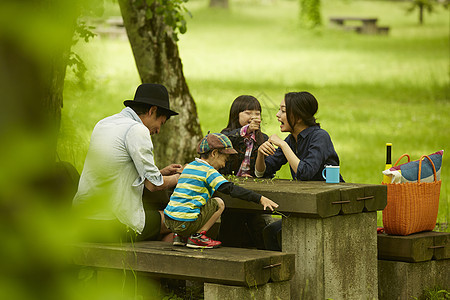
{"points": [[301, 105], [142, 109], [240, 104]]}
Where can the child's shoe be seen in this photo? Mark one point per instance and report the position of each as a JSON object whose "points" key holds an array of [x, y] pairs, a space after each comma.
{"points": [[179, 240], [200, 240]]}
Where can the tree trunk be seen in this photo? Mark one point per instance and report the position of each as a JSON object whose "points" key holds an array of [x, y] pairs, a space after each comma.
{"points": [[310, 16], [421, 7], [158, 61]]}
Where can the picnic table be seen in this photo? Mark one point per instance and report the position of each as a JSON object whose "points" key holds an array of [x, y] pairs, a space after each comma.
{"points": [[368, 24], [331, 229], [329, 246]]}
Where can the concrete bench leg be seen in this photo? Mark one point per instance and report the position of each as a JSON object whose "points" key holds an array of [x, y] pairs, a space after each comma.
{"points": [[273, 290], [336, 257], [403, 280]]}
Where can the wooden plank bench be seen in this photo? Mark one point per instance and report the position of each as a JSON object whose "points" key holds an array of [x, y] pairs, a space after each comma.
{"points": [[409, 264], [368, 24], [222, 268]]}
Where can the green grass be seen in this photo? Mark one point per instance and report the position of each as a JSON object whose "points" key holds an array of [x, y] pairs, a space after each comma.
{"points": [[371, 89]]}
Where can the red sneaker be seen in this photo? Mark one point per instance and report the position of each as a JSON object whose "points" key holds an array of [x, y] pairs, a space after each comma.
{"points": [[200, 240]]}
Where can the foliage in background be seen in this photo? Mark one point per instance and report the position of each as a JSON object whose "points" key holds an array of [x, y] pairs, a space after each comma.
{"points": [[36, 228], [84, 32], [172, 11], [421, 6]]}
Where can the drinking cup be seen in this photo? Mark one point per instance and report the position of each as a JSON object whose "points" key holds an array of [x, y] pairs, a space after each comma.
{"points": [[332, 174]]}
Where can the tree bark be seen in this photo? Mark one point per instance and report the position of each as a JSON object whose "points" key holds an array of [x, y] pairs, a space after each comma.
{"points": [[158, 61], [310, 16], [421, 8]]}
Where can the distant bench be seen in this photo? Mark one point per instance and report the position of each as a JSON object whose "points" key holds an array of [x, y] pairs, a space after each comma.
{"points": [[242, 272], [368, 25]]}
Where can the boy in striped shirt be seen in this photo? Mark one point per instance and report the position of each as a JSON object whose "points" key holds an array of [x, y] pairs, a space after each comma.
{"points": [[192, 209]]}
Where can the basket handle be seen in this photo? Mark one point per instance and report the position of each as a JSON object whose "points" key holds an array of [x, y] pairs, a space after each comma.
{"points": [[398, 160], [420, 167]]}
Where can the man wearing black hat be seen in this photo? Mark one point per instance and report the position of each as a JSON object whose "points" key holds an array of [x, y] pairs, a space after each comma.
{"points": [[120, 163]]}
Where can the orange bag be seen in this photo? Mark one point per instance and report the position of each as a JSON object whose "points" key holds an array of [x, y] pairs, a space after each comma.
{"points": [[412, 206]]}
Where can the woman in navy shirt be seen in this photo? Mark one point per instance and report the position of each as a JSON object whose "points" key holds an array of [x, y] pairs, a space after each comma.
{"points": [[307, 149]]}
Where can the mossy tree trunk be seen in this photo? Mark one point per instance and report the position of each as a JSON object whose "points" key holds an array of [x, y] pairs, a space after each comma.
{"points": [[310, 16], [157, 58], [421, 7]]}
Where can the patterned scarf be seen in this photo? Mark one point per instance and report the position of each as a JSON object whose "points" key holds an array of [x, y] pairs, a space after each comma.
{"points": [[249, 139]]}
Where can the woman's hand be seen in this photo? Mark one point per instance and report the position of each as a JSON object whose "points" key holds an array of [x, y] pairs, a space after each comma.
{"points": [[266, 148], [266, 202], [287, 151], [171, 170], [276, 140]]}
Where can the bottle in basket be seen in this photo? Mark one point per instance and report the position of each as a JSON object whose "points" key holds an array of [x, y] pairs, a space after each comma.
{"points": [[387, 179]]}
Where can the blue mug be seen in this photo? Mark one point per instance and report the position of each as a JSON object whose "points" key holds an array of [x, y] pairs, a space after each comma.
{"points": [[332, 174]]}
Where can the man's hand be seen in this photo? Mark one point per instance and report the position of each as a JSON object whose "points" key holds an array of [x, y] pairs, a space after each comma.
{"points": [[171, 170], [266, 202], [266, 148]]}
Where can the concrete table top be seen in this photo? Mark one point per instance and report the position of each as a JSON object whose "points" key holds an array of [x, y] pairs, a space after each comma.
{"points": [[314, 199]]}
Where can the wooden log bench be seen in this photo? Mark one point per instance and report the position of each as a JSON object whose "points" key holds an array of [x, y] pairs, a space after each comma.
{"points": [[244, 273], [407, 265], [365, 25]]}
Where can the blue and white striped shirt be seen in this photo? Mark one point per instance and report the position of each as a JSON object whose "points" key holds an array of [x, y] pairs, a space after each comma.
{"points": [[196, 185]]}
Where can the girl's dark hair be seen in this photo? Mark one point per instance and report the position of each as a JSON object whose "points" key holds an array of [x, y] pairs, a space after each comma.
{"points": [[241, 103], [301, 105]]}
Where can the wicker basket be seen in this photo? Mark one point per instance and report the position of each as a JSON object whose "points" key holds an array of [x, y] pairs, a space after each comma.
{"points": [[413, 206]]}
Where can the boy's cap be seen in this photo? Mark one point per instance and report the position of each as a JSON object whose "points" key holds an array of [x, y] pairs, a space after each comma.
{"points": [[215, 141]]}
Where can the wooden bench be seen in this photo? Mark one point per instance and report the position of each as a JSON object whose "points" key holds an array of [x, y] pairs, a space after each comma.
{"points": [[368, 25], [243, 272], [407, 265]]}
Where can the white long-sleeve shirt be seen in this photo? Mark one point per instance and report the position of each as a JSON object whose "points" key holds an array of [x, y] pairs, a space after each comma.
{"points": [[119, 159]]}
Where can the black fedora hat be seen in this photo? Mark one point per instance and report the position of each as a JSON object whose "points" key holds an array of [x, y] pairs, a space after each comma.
{"points": [[152, 94]]}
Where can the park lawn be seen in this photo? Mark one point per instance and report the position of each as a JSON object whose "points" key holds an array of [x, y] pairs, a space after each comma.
{"points": [[371, 89]]}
